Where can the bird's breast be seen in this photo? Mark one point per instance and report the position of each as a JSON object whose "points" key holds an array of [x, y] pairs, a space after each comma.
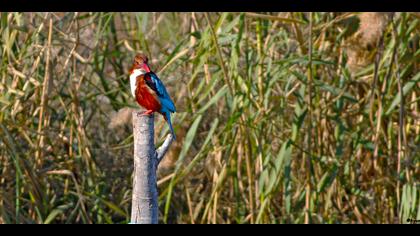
{"points": [[147, 98]]}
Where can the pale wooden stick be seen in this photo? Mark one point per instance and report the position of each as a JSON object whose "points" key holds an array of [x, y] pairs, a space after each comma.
{"points": [[146, 160]]}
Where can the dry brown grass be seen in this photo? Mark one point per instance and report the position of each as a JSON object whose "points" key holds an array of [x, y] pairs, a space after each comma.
{"points": [[277, 122], [363, 45]]}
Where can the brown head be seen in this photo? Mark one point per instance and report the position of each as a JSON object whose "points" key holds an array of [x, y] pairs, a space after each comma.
{"points": [[140, 58], [140, 62]]}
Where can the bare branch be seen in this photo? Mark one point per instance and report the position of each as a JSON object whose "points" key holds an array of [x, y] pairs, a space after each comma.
{"points": [[146, 159], [145, 195], [161, 151]]}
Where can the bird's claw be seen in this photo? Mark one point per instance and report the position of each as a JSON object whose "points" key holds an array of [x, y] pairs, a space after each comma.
{"points": [[148, 113]]}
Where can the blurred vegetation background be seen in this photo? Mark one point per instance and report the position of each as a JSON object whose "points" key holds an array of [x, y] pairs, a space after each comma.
{"points": [[282, 117]]}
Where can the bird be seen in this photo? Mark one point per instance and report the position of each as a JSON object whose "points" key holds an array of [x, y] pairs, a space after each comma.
{"points": [[149, 91]]}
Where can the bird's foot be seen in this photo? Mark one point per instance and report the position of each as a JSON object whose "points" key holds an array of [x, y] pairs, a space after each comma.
{"points": [[146, 113]]}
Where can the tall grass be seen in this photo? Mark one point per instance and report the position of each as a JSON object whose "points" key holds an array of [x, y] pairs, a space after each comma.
{"points": [[283, 117]]}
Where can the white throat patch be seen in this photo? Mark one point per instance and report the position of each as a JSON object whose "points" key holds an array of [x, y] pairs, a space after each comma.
{"points": [[133, 80]]}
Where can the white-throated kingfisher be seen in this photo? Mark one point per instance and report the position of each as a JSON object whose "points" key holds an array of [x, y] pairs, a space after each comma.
{"points": [[149, 91]]}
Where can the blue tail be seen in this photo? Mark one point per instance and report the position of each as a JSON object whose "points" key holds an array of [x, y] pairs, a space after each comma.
{"points": [[168, 119]]}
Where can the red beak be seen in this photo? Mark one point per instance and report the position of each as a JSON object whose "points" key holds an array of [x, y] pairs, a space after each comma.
{"points": [[146, 67]]}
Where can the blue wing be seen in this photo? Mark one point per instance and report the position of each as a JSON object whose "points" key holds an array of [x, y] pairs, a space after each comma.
{"points": [[157, 85]]}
